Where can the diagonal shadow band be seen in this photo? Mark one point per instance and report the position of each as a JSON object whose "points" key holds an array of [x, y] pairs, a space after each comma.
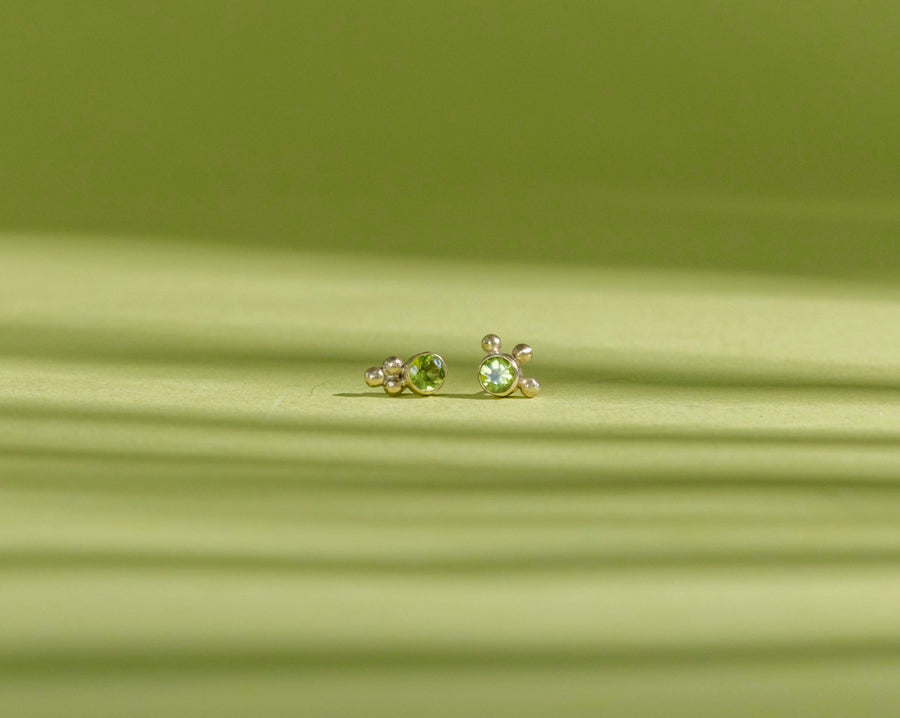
{"points": [[377, 394], [553, 562], [156, 347], [425, 658], [646, 434], [154, 472]]}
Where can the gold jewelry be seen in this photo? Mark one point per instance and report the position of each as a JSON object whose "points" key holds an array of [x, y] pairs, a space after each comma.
{"points": [[423, 374]]}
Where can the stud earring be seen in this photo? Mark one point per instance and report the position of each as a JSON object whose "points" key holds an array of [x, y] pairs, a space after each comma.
{"points": [[501, 374], [423, 374]]}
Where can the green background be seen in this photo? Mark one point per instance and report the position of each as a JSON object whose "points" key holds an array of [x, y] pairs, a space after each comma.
{"points": [[215, 216]]}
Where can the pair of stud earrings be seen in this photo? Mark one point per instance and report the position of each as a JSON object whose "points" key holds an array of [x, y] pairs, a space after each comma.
{"points": [[499, 374]]}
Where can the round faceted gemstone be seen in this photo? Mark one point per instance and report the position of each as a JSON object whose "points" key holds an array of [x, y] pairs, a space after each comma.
{"points": [[426, 373], [497, 375]]}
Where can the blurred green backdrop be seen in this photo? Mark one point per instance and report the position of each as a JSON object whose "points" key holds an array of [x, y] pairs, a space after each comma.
{"points": [[754, 134]]}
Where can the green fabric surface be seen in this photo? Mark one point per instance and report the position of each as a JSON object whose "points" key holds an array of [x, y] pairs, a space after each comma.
{"points": [[205, 511]]}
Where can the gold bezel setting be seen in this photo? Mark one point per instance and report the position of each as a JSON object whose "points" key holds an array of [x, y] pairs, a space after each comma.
{"points": [[512, 362], [521, 354], [408, 382]]}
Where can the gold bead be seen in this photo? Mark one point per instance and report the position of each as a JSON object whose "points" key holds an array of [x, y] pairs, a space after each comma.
{"points": [[530, 387], [374, 376], [393, 385], [491, 343], [392, 366], [522, 353]]}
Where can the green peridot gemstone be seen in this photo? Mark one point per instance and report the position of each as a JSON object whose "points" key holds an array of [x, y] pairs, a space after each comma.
{"points": [[426, 373], [497, 375]]}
